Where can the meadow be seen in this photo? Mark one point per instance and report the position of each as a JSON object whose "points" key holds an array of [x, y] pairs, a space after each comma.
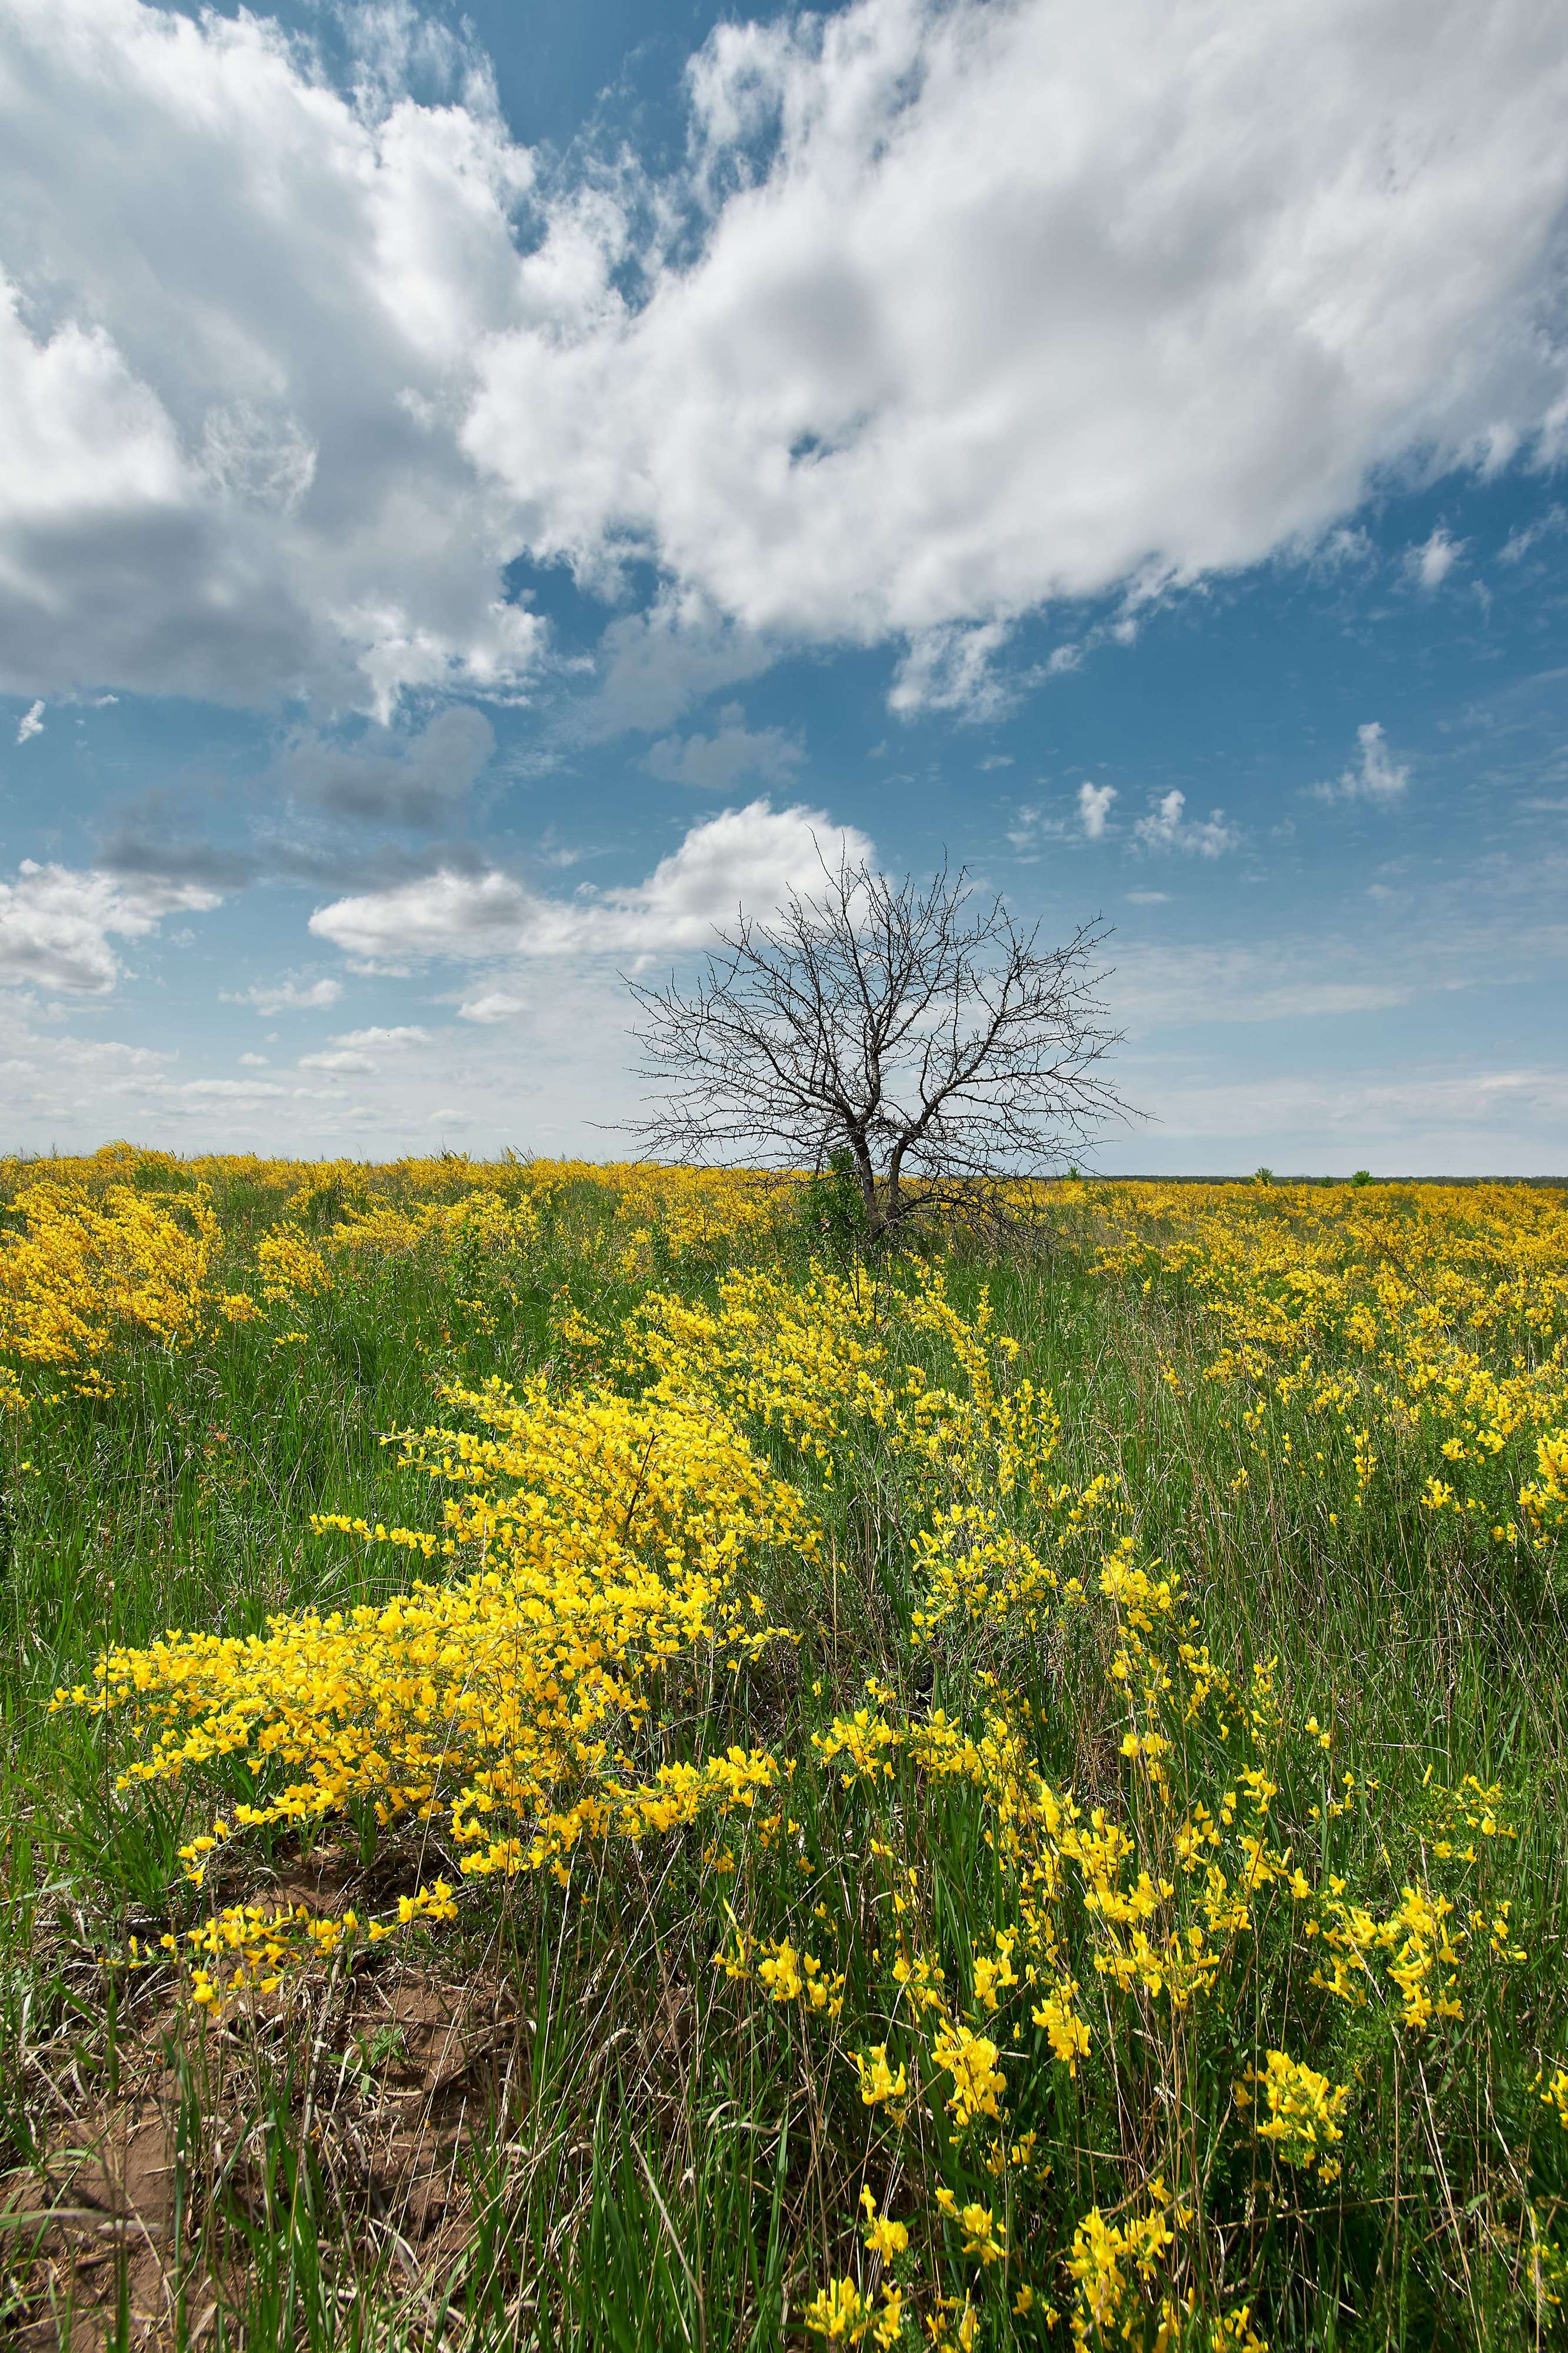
{"points": [[587, 1767]]}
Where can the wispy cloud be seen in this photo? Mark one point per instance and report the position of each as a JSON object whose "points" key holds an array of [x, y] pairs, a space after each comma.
{"points": [[1168, 827], [1430, 563], [1434, 1121], [954, 668], [713, 763], [288, 995], [336, 1058], [360, 1050], [1164, 988], [1377, 777], [1520, 542], [1033, 826]]}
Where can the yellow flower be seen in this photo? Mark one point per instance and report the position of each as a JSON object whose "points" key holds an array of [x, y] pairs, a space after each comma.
{"points": [[1304, 2109], [1555, 2095], [878, 2081], [1067, 2032], [839, 2313], [883, 2237], [982, 2235], [978, 2083], [891, 2319], [994, 1975], [781, 1972]]}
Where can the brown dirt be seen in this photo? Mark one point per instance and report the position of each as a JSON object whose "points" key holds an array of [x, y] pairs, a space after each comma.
{"points": [[399, 2072]]}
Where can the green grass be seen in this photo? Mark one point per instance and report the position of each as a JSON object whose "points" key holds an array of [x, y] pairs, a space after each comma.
{"points": [[617, 2152]]}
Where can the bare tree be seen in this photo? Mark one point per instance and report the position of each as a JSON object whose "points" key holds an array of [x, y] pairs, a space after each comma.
{"points": [[911, 1028]]}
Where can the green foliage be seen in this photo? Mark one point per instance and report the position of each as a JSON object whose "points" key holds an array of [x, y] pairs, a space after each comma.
{"points": [[832, 1214]]}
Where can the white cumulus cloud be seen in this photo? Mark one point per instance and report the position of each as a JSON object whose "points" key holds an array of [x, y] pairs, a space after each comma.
{"points": [[747, 856], [1168, 827], [492, 1005], [407, 1033], [1006, 317], [197, 494], [951, 311], [1094, 808], [56, 924], [31, 722]]}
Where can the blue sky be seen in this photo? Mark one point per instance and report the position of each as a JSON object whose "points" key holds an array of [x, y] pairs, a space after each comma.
{"points": [[480, 497]]}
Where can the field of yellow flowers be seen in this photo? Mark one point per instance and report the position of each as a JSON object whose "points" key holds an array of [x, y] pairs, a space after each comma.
{"points": [[586, 1769]]}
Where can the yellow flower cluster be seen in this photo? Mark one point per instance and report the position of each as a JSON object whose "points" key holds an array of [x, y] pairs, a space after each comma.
{"points": [[835, 1356], [1304, 2112], [842, 2316], [245, 1948], [1117, 2296], [978, 2083], [615, 1537], [789, 1975], [289, 1266], [1114, 2267], [480, 1223], [1425, 1325], [124, 1243], [81, 1274]]}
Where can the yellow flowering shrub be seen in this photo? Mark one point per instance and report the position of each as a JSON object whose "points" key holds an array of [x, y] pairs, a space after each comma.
{"points": [[80, 1275], [480, 1224], [613, 1541], [291, 1266], [1424, 1322]]}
